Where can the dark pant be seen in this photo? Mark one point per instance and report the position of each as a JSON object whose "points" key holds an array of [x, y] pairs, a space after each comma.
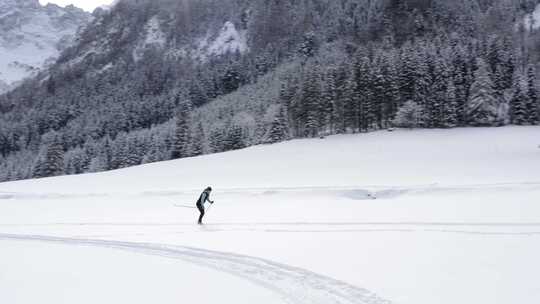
{"points": [[201, 210]]}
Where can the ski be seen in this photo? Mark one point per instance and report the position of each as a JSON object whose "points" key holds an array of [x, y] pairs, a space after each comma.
{"points": [[184, 206]]}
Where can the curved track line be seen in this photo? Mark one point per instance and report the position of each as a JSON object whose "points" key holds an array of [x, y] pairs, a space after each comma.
{"points": [[295, 285], [334, 224]]}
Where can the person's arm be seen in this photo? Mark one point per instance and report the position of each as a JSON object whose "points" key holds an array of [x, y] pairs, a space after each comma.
{"points": [[208, 198]]}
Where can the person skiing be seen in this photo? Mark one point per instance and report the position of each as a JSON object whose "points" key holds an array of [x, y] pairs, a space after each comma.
{"points": [[205, 197]]}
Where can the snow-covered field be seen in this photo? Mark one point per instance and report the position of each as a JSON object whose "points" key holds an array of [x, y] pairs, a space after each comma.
{"points": [[456, 219]]}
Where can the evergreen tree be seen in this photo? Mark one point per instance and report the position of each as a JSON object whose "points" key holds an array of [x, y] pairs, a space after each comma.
{"points": [[309, 45], [311, 100], [232, 80], [460, 76], [181, 141], [407, 74], [363, 93], [422, 83], [450, 118], [279, 128], [483, 108], [518, 103], [392, 95], [379, 98], [438, 102], [53, 162], [351, 103], [217, 139], [409, 115], [197, 146], [340, 63], [532, 94], [330, 113], [235, 138]]}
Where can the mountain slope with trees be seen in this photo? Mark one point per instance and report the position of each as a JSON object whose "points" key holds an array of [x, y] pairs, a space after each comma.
{"points": [[155, 80]]}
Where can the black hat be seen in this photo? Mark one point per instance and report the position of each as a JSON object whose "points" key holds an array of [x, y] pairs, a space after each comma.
{"points": [[209, 189]]}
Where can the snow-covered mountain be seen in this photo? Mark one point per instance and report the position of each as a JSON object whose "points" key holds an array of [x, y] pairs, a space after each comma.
{"points": [[128, 32], [152, 80], [32, 36]]}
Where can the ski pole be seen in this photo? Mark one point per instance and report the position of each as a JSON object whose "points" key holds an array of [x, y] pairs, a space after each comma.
{"points": [[208, 209]]}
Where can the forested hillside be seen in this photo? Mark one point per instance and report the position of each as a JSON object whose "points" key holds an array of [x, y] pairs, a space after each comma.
{"points": [[157, 80]]}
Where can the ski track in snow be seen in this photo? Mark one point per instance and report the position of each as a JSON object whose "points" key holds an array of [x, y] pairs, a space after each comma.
{"points": [[295, 285], [485, 229], [367, 192]]}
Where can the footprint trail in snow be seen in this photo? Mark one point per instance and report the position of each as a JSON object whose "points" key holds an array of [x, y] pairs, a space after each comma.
{"points": [[295, 285]]}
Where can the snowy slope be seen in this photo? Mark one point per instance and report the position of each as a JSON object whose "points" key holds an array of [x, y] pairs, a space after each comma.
{"points": [[533, 20], [228, 40], [296, 222], [31, 36]]}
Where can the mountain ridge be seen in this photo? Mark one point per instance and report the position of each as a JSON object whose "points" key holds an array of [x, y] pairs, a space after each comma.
{"points": [[32, 36], [149, 81]]}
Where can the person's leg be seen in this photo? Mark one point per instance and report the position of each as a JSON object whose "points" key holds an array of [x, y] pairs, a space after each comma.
{"points": [[201, 210]]}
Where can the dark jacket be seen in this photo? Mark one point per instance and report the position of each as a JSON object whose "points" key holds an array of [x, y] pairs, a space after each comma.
{"points": [[205, 197]]}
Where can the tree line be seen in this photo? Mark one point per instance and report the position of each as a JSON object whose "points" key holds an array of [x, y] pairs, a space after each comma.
{"points": [[314, 68]]}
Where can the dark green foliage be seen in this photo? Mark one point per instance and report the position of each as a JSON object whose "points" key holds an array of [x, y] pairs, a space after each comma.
{"points": [[234, 139], [197, 139], [532, 97], [52, 163], [279, 129], [181, 141], [519, 101]]}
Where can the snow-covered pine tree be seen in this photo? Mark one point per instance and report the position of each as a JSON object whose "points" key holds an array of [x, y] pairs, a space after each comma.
{"points": [[331, 106], [393, 98], [363, 91], [407, 72], [438, 100], [135, 153], [53, 163], [409, 115], [288, 97], [450, 117], [235, 138], [279, 128], [181, 141], [460, 80], [231, 80], [197, 139], [119, 152], [508, 62], [533, 98], [308, 47], [97, 164], [351, 103], [422, 82], [217, 138], [379, 89], [483, 107], [312, 99], [518, 102]]}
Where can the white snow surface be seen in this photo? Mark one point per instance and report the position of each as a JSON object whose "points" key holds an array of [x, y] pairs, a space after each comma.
{"points": [[426, 216]]}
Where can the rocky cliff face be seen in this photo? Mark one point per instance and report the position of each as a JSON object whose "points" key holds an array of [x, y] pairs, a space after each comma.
{"points": [[32, 36]]}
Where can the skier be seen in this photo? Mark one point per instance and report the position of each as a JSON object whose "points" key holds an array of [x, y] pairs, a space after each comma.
{"points": [[205, 197]]}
